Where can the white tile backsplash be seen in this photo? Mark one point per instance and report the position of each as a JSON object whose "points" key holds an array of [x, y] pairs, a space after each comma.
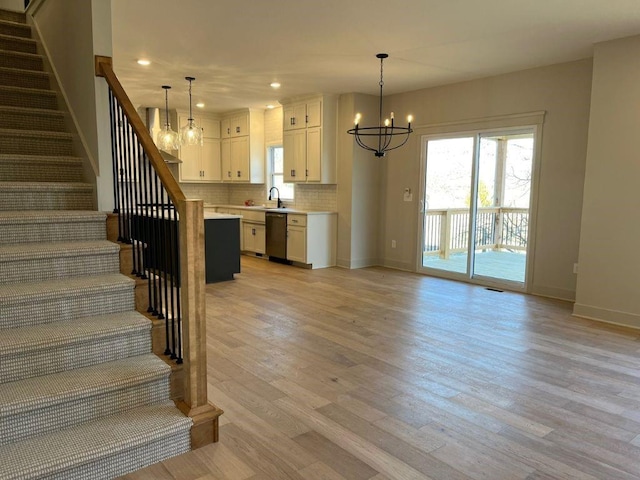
{"points": [[309, 197]]}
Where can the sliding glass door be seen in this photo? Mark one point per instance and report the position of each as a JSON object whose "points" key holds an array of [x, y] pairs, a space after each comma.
{"points": [[476, 195]]}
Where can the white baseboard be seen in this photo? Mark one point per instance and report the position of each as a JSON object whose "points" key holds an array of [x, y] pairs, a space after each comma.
{"points": [[615, 317]]}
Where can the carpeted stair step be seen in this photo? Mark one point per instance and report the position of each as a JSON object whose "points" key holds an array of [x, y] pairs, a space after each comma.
{"points": [[15, 77], [45, 196], [54, 347], [18, 44], [34, 262], [40, 168], [29, 98], [45, 404], [8, 26], [11, 16], [51, 226], [66, 299], [30, 142], [25, 61], [21, 118], [103, 449]]}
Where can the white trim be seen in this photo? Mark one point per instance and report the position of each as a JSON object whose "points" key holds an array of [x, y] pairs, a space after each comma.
{"points": [[614, 317], [510, 124]]}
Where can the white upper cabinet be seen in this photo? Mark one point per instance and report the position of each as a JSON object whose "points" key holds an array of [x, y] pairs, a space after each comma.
{"points": [[309, 139], [242, 149], [201, 164]]}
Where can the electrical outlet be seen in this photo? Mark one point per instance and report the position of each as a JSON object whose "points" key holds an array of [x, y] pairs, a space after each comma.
{"points": [[393, 244]]}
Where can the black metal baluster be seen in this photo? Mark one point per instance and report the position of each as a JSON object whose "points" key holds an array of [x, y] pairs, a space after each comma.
{"points": [[173, 242], [178, 322], [152, 244], [120, 179], [114, 149]]}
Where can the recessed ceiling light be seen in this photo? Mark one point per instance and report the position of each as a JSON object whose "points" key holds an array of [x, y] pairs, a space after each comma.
{"points": [[144, 62], [271, 106], [275, 85], [200, 105]]}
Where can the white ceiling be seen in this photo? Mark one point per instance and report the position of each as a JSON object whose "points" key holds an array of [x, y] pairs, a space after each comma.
{"points": [[236, 48]]}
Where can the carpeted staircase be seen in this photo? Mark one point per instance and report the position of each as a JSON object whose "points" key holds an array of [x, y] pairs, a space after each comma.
{"points": [[81, 394]]}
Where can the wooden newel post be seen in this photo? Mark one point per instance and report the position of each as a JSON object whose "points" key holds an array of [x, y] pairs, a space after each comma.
{"points": [[194, 325]]}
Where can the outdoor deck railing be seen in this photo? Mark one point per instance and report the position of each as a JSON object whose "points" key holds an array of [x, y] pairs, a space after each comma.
{"points": [[447, 230]]}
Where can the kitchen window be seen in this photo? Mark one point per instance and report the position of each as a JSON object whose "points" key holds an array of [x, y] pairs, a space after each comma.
{"points": [[276, 165]]}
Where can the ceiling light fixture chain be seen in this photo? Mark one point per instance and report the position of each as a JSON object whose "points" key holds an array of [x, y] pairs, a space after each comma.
{"points": [[386, 130]]}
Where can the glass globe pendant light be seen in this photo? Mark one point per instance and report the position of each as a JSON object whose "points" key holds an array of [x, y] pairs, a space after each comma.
{"points": [[167, 139], [191, 134]]}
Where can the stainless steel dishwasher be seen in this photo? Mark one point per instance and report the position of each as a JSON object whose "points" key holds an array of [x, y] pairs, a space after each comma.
{"points": [[276, 225]]}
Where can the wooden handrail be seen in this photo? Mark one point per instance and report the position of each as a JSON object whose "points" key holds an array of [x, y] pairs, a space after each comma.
{"points": [[194, 401], [104, 68]]}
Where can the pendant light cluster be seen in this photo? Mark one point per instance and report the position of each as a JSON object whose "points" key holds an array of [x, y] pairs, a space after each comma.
{"points": [[381, 139], [190, 134]]}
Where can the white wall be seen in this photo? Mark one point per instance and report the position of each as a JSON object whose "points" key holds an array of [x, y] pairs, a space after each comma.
{"points": [[609, 261], [72, 33], [360, 187], [563, 91]]}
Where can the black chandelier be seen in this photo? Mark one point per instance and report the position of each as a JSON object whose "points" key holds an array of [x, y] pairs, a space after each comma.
{"points": [[385, 131]]}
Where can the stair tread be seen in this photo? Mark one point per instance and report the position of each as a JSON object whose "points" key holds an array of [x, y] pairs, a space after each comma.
{"points": [[12, 132], [95, 440], [23, 251], [17, 38], [46, 112], [57, 334], [48, 216], [23, 71], [20, 54], [58, 388], [23, 186], [84, 285], [42, 158]]}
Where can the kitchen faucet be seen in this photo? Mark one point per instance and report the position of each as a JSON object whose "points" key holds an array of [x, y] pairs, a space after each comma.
{"points": [[279, 201]]}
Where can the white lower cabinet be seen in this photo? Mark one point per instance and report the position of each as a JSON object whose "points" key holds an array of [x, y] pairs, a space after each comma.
{"points": [[297, 244], [253, 237], [311, 239]]}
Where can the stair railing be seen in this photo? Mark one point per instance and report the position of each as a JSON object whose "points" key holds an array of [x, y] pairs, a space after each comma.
{"points": [[166, 231]]}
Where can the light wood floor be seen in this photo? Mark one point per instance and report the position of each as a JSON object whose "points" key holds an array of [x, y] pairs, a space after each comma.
{"points": [[379, 374]]}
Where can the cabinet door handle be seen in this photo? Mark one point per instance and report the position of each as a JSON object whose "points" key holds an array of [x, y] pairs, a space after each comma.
{"points": [[237, 129], [239, 174], [293, 173], [228, 131], [229, 174], [306, 173], [293, 120], [306, 119], [253, 231], [293, 220]]}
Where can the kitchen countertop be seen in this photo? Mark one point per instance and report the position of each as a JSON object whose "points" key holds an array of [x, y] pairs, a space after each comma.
{"points": [[261, 208], [209, 215]]}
